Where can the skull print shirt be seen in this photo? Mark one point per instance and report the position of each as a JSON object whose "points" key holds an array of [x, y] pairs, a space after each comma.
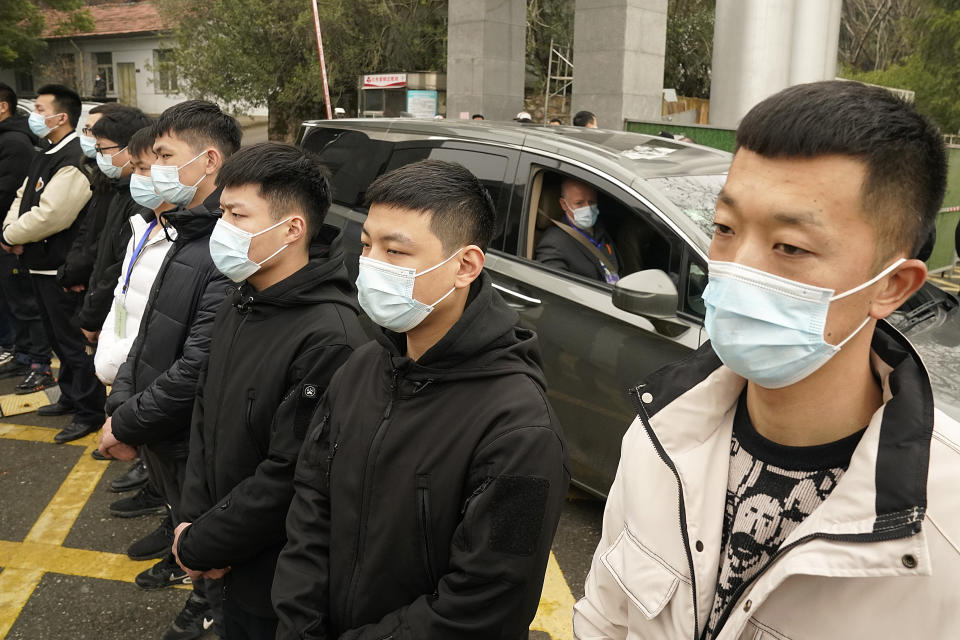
{"points": [[771, 488]]}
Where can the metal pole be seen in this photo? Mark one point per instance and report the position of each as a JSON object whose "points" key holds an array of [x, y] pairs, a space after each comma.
{"points": [[323, 64]]}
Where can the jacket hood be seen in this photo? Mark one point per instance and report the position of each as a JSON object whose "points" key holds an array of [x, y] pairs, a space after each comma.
{"points": [[196, 222], [323, 279], [18, 124], [485, 341]]}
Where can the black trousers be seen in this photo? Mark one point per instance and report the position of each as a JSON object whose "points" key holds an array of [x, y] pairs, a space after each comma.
{"points": [[79, 385], [29, 336], [240, 624]]}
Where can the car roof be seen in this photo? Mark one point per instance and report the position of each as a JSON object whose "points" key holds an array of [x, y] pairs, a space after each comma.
{"points": [[628, 156]]}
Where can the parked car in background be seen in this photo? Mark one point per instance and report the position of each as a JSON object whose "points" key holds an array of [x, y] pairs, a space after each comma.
{"points": [[25, 107], [656, 198]]}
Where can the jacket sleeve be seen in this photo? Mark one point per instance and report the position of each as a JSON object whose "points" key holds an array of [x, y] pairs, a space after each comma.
{"points": [[549, 250], [163, 408], [602, 612], [500, 550], [108, 267], [60, 203], [11, 214], [15, 156], [78, 264], [250, 518], [194, 498]]}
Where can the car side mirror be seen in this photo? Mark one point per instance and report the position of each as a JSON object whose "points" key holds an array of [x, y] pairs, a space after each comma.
{"points": [[653, 295]]}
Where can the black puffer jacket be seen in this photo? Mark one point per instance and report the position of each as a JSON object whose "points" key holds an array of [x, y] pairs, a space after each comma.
{"points": [[108, 265], [152, 397], [427, 492], [78, 264], [16, 153], [288, 339]]}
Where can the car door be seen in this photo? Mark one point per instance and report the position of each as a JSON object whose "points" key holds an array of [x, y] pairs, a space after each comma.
{"points": [[592, 351]]}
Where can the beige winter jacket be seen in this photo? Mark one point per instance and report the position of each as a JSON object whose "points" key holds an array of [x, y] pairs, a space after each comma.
{"points": [[880, 558]]}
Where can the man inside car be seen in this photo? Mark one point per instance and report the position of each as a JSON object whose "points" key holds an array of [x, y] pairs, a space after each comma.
{"points": [[579, 243]]}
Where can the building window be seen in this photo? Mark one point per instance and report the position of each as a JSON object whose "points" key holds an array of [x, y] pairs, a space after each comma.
{"points": [[165, 70], [104, 62]]}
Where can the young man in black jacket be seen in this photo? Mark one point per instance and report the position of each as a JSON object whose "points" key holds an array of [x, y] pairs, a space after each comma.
{"points": [[29, 344], [152, 398], [285, 330], [432, 477], [40, 227]]}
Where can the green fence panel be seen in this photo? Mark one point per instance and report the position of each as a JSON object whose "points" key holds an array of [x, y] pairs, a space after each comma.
{"points": [[701, 134], [943, 251]]}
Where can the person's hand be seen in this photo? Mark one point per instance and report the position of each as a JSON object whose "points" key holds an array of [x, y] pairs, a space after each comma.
{"points": [[17, 249], [78, 288], [91, 336], [110, 446], [215, 574]]}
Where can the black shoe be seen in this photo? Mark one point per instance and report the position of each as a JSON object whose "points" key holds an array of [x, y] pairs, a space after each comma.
{"points": [[134, 478], [37, 380], [74, 431], [6, 355], [192, 621], [12, 368], [166, 573], [143, 503], [96, 455], [59, 408], [155, 544]]}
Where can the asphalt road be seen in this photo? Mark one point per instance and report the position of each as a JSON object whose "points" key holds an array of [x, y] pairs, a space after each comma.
{"points": [[64, 575]]}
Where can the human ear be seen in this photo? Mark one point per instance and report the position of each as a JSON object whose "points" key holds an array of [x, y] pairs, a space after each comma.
{"points": [[897, 287], [296, 230], [471, 264], [214, 160]]}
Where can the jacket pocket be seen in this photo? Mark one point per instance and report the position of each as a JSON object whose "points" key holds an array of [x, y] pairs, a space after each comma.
{"points": [[426, 528], [248, 424], [647, 581]]}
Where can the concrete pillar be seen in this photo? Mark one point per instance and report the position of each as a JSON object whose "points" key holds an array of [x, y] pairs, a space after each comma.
{"points": [[618, 52], [763, 46], [486, 57]]}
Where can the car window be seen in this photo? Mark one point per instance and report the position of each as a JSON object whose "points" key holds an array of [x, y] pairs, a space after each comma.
{"points": [[353, 158], [696, 282]]}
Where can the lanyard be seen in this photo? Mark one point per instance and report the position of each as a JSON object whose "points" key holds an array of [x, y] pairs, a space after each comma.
{"points": [[596, 243], [136, 252]]}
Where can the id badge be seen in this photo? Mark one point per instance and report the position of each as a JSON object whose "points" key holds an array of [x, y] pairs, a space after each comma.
{"points": [[120, 320]]}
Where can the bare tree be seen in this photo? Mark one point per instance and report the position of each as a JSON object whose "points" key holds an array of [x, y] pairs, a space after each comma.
{"points": [[874, 34]]}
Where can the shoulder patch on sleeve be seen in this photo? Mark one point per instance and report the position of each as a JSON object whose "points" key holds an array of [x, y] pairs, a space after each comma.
{"points": [[518, 505], [306, 405]]}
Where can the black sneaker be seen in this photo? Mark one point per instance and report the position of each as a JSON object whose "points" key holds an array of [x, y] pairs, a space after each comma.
{"points": [[37, 380], [11, 367], [134, 478], [145, 502], [192, 621], [6, 355], [155, 544], [166, 573]]}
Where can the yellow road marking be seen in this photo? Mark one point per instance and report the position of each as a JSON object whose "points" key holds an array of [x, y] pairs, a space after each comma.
{"points": [[16, 585], [555, 614], [37, 434], [72, 562]]}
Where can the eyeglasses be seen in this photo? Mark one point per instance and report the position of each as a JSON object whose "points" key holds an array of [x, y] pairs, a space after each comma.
{"points": [[100, 149], [86, 131]]}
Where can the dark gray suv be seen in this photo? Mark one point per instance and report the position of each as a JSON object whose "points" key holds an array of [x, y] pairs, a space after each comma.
{"points": [[656, 199]]}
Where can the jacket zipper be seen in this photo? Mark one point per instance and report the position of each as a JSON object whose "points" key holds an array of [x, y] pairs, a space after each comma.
{"points": [[364, 500], [423, 507], [642, 414], [248, 423]]}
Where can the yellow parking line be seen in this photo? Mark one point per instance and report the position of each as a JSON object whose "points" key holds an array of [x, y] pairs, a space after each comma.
{"points": [[58, 517], [555, 614], [72, 562], [38, 434], [16, 585]]}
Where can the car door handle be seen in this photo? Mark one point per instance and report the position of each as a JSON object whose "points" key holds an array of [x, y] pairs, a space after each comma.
{"points": [[517, 297]]}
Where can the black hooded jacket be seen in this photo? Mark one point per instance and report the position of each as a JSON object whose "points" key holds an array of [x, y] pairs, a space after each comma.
{"points": [[285, 341], [78, 263], [427, 492], [16, 153], [151, 401]]}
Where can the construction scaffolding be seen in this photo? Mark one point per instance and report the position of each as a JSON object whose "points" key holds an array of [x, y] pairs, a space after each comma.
{"points": [[559, 82]]}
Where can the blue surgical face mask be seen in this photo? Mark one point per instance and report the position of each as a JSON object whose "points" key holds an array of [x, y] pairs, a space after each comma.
{"points": [[230, 248], [38, 124], [89, 146], [166, 180], [586, 217], [143, 193], [105, 162], [385, 292], [769, 329]]}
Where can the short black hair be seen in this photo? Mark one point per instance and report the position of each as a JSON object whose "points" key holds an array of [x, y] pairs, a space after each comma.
{"points": [[8, 95], [583, 118], [477, 116], [65, 100], [903, 151], [119, 124], [461, 210], [557, 120], [107, 107], [199, 123], [141, 142], [286, 176]]}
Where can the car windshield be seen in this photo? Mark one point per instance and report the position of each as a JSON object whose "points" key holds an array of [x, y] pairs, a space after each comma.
{"points": [[694, 196]]}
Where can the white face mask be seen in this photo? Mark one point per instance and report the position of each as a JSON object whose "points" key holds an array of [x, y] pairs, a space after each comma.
{"points": [[38, 124], [230, 248], [385, 292], [89, 146], [166, 180], [143, 193], [105, 162], [769, 329], [585, 217]]}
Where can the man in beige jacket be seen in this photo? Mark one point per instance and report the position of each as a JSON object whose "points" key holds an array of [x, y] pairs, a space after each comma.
{"points": [[793, 478]]}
